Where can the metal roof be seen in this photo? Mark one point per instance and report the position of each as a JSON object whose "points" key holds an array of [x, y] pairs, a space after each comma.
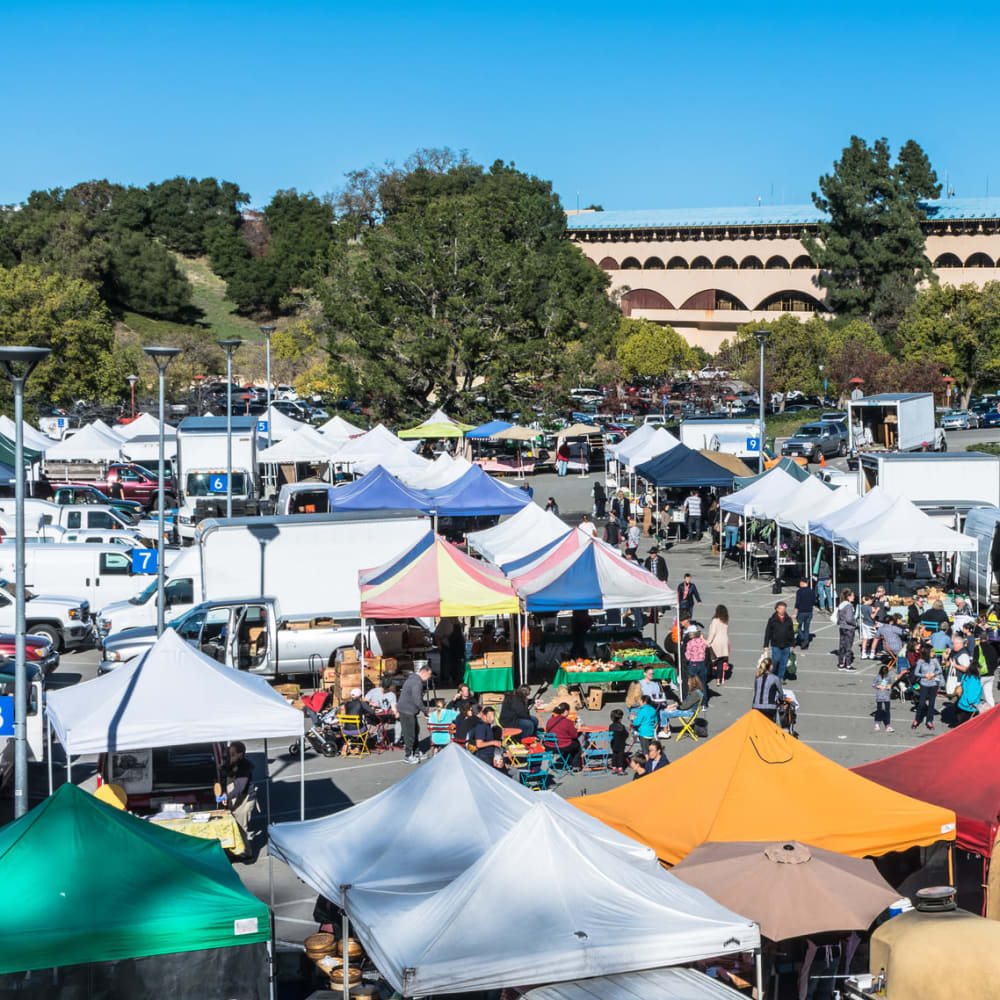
{"points": [[940, 209], [930, 456], [213, 424], [887, 397]]}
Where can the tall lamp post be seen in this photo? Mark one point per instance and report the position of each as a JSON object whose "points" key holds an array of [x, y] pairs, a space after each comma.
{"points": [[132, 379], [267, 331], [761, 336], [162, 356], [230, 347], [18, 363]]}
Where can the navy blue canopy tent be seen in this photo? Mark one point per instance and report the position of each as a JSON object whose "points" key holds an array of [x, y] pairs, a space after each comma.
{"points": [[682, 467], [476, 494], [379, 490]]}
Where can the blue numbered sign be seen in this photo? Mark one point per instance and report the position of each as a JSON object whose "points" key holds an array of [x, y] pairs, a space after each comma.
{"points": [[217, 484], [261, 426], [144, 561], [7, 716], [753, 444]]}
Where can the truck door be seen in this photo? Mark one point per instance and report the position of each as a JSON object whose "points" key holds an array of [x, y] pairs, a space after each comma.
{"points": [[215, 633], [112, 579], [101, 519], [251, 644]]}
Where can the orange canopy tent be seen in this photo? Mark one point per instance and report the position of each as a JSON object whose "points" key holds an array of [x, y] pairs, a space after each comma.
{"points": [[755, 782]]}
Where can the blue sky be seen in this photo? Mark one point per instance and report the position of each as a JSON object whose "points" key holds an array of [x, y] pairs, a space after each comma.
{"points": [[632, 106]]}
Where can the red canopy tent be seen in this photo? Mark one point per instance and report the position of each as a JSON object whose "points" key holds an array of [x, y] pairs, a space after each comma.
{"points": [[954, 770]]}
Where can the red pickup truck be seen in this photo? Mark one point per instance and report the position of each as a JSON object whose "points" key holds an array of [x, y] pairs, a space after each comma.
{"points": [[138, 483]]}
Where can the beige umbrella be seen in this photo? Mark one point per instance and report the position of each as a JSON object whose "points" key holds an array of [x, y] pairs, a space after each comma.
{"points": [[790, 889]]}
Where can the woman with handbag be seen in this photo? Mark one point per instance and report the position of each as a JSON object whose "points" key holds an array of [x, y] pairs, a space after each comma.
{"points": [[718, 644]]}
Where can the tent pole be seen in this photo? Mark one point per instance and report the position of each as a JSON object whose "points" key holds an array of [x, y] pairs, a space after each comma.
{"points": [[859, 577], [721, 540], [302, 776], [270, 961], [267, 810], [69, 768], [363, 656], [758, 963], [48, 735], [680, 663], [777, 553], [833, 565], [977, 578], [746, 550], [345, 927]]}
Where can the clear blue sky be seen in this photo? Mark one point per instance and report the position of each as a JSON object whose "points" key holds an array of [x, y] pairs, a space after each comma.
{"points": [[653, 106]]}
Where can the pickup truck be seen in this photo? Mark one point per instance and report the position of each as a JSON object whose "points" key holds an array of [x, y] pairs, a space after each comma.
{"points": [[825, 438], [139, 485], [70, 496], [250, 634], [65, 622]]}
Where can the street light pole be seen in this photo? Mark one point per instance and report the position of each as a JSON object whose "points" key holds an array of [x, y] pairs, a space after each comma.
{"points": [[132, 379], [18, 363], [162, 356], [761, 336], [230, 347], [267, 331]]}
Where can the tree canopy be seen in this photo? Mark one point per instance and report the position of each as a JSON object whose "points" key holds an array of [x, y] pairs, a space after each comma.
{"points": [[871, 251], [648, 350]]}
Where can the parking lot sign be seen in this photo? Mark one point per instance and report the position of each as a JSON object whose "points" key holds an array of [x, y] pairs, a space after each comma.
{"points": [[6, 716], [753, 444], [144, 561], [217, 484]]}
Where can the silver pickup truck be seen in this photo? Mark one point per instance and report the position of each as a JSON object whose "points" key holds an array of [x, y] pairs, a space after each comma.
{"points": [[246, 634]]}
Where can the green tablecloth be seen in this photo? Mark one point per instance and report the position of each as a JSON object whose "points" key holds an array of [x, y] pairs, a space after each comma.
{"points": [[489, 679], [607, 676]]}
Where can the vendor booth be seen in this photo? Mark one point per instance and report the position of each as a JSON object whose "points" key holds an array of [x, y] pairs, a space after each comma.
{"points": [[118, 908], [682, 467], [437, 425], [380, 446], [528, 530], [378, 490]]}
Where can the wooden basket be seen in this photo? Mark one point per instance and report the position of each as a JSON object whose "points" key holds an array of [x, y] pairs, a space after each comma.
{"points": [[321, 944], [337, 978]]}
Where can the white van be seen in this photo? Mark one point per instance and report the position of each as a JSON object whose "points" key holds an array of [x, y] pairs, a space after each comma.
{"points": [[99, 574]]}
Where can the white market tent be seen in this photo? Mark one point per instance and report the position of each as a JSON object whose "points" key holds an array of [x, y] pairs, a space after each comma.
{"points": [[304, 445], [339, 429], [424, 831], [89, 444], [443, 471], [902, 527], [592, 913], [281, 425], [380, 446], [107, 429], [144, 425], [874, 503], [664, 984], [527, 531], [772, 506], [33, 437], [634, 440], [811, 506], [769, 489], [657, 443]]}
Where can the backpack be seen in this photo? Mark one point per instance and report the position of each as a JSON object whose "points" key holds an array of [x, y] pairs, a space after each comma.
{"points": [[835, 616], [611, 533]]}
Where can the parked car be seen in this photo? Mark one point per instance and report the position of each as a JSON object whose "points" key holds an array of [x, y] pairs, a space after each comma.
{"points": [[71, 496], [139, 485], [991, 418], [39, 652], [821, 439], [956, 420]]}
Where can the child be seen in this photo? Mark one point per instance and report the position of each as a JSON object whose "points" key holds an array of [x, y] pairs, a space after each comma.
{"points": [[882, 683], [869, 633], [441, 716], [619, 735], [694, 652], [644, 721], [638, 764]]}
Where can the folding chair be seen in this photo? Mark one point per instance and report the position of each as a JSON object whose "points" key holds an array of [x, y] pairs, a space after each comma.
{"points": [[538, 774], [561, 764], [686, 719], [355, 735], [596, 757]]}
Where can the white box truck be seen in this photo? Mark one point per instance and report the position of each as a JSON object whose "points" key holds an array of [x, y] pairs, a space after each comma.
{"points": [[202, 468], [954, 481], [309, 561], [741, 438], [894, 421]]}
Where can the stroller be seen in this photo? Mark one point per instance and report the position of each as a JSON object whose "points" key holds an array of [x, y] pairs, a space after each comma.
{"points": [[788, 713], [323, 717]]}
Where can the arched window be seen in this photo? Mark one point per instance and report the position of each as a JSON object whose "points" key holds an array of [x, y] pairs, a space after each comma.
{"points": [[790, 302], [803, 263], [677, 264], [631, 264], [725, 264], [643, 298], [713, 298], [979, 260], [609, 264], [751, 263], [776, 263], [948, 260], [701, 264], [653, 264]]}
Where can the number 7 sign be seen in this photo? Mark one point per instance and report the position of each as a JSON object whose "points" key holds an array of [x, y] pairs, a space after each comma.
{"points": [[144, 561]]}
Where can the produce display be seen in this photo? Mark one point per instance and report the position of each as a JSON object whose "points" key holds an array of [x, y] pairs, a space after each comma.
{"points": [[590, 666]]}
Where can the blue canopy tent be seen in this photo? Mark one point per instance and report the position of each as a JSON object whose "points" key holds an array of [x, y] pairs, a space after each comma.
{"points": [[488, 430], [682, 467], [379, 490], [476, 494]]}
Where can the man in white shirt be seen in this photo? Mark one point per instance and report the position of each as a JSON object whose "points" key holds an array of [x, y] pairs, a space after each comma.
{"points": [[692, 508], [588, 526]]}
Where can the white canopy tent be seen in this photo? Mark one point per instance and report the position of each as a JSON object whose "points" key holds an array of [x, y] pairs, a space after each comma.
{"points": [[443, 471], [89, 444], [664, 984], [108, 429], [631, 442], [772, 506], [520, 535], [144, 425], [380, 446], [339, 429], [303, 445], [769, 489], [416, 835], [281, 425], [655, 444], [810, 506], [33, 437], [875, 502], [902, 527], [173, 695], [592, 913]]}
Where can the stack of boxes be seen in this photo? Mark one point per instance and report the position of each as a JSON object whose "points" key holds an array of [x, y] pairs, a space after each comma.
{"points": [[347, 674]]}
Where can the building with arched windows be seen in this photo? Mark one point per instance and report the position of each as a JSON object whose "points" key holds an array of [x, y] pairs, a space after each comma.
{"points": [[708, 271]]}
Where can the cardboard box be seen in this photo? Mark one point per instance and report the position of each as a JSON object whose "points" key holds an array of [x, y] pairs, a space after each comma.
{"points": [[501, 659], [477, 664], [289, 691], [491, 697], [595, 699], [348, 655], [297, 626]]}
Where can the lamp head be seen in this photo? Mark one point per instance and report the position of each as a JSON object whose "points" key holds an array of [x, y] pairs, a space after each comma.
{"points": [[132, 379], [761, 336], [19, 362], [162, 356], [230, 346], [268, 330]]}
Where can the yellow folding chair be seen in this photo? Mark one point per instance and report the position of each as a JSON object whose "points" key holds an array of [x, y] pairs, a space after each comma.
{"points": [[355, 734], [687, 720]]}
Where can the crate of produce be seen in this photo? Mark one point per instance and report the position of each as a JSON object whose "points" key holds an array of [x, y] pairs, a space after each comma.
{"points": [[503, 659]]}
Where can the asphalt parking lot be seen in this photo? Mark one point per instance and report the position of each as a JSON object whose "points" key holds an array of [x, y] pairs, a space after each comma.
{"points": [[835, 716]]}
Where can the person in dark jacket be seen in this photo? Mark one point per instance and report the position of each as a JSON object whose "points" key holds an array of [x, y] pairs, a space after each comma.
{"points": [[600, 501], [515, 712], [409, 707], [779, 637], [915, 612], [847, 625], [767, 691], [657, 565], [612, 533], [687, 595], [805, 604]]}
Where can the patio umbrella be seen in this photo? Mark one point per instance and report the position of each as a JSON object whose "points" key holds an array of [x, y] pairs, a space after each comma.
{"points": [[790, 889]]}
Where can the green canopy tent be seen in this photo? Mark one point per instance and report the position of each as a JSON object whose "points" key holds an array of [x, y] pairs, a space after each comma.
{"points": [[85, 883], [795, 470], [7, 446], [437, 425]]}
